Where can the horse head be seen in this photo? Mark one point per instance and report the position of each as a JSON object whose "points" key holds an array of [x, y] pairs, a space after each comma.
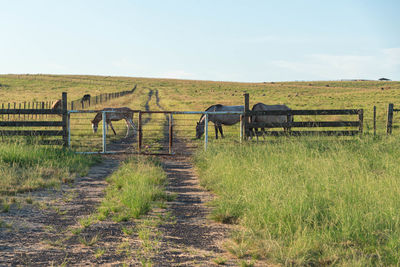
{"points": [[95, 125], [199, 130]]}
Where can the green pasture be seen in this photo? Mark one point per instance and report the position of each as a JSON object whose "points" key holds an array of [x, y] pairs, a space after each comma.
{"points": [[297, 201], [132, 189], [26, 166], [198, 95], [301, 201]]}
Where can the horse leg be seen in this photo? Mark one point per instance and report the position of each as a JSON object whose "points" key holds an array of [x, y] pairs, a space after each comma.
{"points": [[132, 124], [129, 124], [264, 133], [220, 130], [256, 133], [216, 131], [127, 128], [112, 128]]}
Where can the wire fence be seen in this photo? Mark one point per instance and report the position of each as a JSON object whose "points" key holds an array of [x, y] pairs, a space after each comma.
{"points": [[155, 133], [88, 100]]}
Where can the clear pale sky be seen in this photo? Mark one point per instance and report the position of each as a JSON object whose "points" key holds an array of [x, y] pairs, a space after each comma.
{"points": [[251, 40]]}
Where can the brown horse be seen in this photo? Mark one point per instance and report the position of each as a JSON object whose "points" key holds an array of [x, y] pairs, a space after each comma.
{"points": [[116, 114]]}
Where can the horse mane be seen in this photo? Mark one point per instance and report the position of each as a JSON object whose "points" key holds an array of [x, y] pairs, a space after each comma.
{"points": [[209, 109], [98, 117]]}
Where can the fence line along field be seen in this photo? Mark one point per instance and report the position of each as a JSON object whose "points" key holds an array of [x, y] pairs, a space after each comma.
{"points": [[198, 95], [297, 200]]}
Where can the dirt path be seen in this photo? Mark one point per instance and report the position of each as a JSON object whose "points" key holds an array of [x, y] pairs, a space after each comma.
{"points": [[192, 239], [41, 233], [45, 231], [57, 227]]}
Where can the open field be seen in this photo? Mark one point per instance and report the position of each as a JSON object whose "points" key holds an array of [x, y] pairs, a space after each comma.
{"points": [[308, 202], [168, 94], [198, 95], [298, 201], [26, 167]]}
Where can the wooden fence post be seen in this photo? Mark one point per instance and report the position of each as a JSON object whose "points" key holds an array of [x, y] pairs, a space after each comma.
{"points": [[65, 119], [170, 133], [389, 119], [361, 120], [246, 115], [42, 108], [374, 120], [140, 132], [241, 128]]}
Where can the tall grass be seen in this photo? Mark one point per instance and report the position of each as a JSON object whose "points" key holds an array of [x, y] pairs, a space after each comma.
{"points": [[132, 189], [26, 167], [310, 202]]}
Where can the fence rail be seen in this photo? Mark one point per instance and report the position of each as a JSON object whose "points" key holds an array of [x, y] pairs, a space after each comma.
{"points": [[87, 100], [287, 125], [29, 113], [167, 127]]}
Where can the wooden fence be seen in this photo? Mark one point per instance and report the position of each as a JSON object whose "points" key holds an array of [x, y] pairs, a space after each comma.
{"points": [[356, 125], [391, 110], [80, 103], [86, 102], [29, 113]]}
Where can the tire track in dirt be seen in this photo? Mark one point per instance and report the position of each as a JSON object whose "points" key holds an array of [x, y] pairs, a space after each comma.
{"points": [[41, 233], [192, 238]]}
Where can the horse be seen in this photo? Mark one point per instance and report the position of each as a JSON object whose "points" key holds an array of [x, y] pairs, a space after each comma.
{"points": [[218, 119], [118, 114], [56, 105], [269, 118], [85, 98]]}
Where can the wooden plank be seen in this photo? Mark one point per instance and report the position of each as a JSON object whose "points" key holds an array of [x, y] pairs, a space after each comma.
{"points": [[140, 137], [170, 137], [307, 112], [31, 133], [64, 109], [361, 121], [389, 119], [306, 133], [246, 117], [374, 120], [308, 124], [31, 123], [30, 111]]}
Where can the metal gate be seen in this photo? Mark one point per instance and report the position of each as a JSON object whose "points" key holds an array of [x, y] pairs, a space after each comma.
{"points": [[157, 132]]}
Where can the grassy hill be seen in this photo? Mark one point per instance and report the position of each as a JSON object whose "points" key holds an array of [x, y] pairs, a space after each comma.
{"points": [[296, 201], [198, 95]]}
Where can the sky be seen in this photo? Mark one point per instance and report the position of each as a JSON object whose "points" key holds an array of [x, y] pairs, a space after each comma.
{"points": [[220, 40]]}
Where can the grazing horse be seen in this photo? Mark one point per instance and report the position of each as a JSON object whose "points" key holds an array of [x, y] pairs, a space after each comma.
{"points": [[85, 98], [269, 118], [56, 105], [218, 119], [118, 114]]}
